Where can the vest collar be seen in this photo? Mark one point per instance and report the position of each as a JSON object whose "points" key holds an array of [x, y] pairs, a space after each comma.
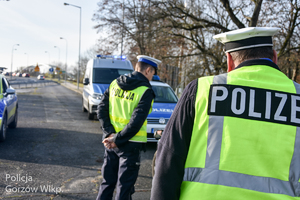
{"points": [[257, 62]]}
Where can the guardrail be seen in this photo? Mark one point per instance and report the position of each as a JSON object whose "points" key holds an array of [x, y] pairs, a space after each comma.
{"points": [[30, 84]]}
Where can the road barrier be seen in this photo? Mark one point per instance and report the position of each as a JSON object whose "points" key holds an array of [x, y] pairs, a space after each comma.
{"points": [[30, 84]]}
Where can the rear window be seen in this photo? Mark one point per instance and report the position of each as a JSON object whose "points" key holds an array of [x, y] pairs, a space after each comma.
{"points": [[164, 95], [106, 76]]}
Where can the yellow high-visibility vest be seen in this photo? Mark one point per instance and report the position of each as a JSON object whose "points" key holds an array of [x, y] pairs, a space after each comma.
{"points": [[121, 106], [245, 142]]}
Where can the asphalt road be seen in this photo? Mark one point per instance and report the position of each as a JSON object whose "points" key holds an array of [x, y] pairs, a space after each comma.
{"points": [[56, 152]]}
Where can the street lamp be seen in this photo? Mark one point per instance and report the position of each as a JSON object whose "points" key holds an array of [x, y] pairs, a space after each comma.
{"points": [[12, 55], [122, 30], [78, 69], [66, 57], [58, 52], [27, 58], [58, 72], [49, 57], [49, 61]]}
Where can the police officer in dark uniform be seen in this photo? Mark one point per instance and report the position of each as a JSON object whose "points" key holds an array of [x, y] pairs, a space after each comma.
{"points": [[122, 114], [234, 135]]}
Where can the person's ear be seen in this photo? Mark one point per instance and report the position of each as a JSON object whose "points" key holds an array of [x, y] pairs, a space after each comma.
{"points": [[148, 70], [275, 58], [230, 63], [151, 70]]}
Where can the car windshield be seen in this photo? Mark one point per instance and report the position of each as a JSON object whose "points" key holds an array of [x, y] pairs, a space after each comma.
{"points": [[164, 94], [106, 76]]}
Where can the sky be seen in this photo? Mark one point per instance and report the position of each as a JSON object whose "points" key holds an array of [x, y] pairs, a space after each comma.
{"points": [[37, 25]]}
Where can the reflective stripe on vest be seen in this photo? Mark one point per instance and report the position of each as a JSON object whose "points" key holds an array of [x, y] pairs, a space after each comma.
{"points": [[211, 173], [121, 106], [295, 163]]}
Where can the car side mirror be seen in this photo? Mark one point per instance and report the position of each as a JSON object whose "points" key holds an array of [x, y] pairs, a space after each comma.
{"points": [[10, 91], [86, 81]]}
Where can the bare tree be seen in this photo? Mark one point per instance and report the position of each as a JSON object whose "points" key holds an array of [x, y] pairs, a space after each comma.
{"points": [[286, 15], [197, 21], [141, 30], [130, 19], [180, 31], [85, 57]]}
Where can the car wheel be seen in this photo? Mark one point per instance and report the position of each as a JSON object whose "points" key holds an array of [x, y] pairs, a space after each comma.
{"points": [[3, 128], [83, 108], [90, 115], [13, 124]]}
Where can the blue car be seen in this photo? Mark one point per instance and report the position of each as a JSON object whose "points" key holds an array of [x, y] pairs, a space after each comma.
{"points": [[8, 107], [163, 107]]}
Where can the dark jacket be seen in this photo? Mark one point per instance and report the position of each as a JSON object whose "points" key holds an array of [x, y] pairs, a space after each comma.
{"points": [[139, 115], [174, 145]]}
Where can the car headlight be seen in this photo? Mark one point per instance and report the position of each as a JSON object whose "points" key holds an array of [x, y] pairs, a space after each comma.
{"points": [[96, 96]]}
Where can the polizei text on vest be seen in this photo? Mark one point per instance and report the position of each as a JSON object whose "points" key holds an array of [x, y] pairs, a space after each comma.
{"points": [[254, 103]]}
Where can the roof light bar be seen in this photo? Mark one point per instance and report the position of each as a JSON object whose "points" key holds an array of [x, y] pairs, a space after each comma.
{"points": [[155, 78], [111, 56]]}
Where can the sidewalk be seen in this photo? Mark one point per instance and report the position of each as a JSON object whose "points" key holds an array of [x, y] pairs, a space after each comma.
{"points": [[73, 87]]}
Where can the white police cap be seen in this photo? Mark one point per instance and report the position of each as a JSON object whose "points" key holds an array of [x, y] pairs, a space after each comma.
{"points": [[149, 60], [246, 38]]}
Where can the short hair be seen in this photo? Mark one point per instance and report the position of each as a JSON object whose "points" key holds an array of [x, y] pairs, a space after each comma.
{"points": [[253, 53], [142, 66]]}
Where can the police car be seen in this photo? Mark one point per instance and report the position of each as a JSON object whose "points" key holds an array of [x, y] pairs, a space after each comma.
{"points": [[163, 107], [8, 107]]}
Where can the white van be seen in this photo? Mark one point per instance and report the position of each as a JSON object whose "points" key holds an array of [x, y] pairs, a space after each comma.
{"points": [[100, 72]]}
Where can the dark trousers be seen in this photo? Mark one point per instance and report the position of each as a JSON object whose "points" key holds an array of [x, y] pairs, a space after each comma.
{"points": [[120, 167]]}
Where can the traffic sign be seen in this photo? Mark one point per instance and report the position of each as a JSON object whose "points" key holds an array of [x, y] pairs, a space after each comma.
{"points": [[51, 70], [37, 69]]}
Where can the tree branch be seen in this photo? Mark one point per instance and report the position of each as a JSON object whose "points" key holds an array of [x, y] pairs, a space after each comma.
{"points": [[290, 33], [231, 14], [256, 12]]}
